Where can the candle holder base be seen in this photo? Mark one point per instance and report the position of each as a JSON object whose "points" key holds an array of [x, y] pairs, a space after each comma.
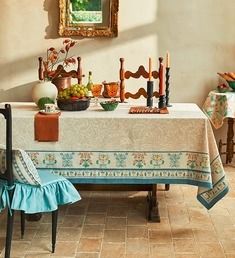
{"points": [[148, 110], [149, 102], [149, 93], [162, 101]]}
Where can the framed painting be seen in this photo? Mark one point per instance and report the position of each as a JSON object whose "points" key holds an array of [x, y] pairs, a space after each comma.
{"points": [[88, 18]]}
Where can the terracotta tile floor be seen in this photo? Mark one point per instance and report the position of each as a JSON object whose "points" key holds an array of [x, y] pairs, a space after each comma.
{"points": [[113, 225]]}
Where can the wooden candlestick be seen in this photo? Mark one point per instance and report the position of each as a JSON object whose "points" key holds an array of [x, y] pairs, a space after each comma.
{"points": [[162, 101], [161, 76], [167, 86], [149, 93]]}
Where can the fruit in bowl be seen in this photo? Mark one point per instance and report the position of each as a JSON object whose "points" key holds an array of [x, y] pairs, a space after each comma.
{"points": [[109, 105], [230, 79], [222, 88], [73, 98], [74, 91]]}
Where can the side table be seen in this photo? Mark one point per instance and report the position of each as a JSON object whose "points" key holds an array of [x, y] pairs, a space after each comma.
{"points": [[217, 107]]}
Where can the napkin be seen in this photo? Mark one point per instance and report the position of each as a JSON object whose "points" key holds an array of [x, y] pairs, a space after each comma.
{"points": [[46, 127]]}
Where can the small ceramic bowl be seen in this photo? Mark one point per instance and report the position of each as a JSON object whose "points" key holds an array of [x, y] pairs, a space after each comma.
{"points": [[231, 84], [109, 105]]}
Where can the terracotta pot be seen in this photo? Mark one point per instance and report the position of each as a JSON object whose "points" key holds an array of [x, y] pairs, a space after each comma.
{"points": [[62, 82], [111, 89]]}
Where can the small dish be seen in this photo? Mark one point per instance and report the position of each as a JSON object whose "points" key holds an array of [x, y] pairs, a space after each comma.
{"points": [[109, 105], [48, 113], [231, 85]]}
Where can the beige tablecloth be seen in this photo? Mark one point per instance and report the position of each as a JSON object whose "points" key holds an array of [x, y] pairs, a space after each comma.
{"points": [[218, 106], [116, 147]]}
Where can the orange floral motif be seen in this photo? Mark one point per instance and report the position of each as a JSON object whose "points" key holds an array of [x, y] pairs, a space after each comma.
{"points": [[196, 161], [139, 159], [85, 159]]}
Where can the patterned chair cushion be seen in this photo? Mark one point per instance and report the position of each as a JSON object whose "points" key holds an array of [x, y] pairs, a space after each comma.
{"points": [[24, 170]]}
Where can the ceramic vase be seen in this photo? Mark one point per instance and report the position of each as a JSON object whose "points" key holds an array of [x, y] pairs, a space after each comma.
{"points": [[44, 89]]}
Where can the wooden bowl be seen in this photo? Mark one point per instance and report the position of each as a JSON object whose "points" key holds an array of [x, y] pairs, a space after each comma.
{"points": [[73, 105]]}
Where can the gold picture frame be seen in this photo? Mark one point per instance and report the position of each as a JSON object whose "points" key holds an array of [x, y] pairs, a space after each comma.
{"points": [[83, 21]]}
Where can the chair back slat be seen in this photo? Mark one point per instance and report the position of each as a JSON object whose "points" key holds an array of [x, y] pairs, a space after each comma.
{"points": [[141, 72], [60, 71]]}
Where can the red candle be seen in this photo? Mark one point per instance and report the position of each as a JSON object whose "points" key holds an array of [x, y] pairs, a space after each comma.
{"points": [[150, 69], [167, 60]]}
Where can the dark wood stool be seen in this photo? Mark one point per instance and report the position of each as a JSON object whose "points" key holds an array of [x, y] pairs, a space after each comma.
{"points": [[229, 144]]}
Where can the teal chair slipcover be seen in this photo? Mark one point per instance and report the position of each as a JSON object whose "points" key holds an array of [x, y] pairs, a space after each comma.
{"points": [[53, 192], [24, 188]]}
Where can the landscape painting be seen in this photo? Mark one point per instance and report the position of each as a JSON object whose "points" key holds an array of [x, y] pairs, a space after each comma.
{"points": [[85, 11]]}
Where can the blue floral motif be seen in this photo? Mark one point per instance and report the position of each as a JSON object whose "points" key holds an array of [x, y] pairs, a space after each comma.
{"points": [[121, 159], [85, 159], [103, 160], [49, 159], [157, 160], [139, 159], [67, 159], [175, 159]]}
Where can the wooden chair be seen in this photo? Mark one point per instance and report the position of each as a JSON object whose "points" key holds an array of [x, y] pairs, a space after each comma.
{"points": [[141, 92], [141, 72], [27, 198], [60, 71]]}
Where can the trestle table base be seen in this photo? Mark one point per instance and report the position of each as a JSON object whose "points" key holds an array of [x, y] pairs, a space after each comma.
{"points": [[152, 203]]}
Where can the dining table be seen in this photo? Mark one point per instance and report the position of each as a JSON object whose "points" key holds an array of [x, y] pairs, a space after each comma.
{"points": [[97, 147]]}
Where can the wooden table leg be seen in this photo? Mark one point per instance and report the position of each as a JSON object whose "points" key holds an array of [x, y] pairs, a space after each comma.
{"points": [[230, 143], [153, 212], [167, 187]]}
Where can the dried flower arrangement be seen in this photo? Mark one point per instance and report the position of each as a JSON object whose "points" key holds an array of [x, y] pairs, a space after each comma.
{"points": [[57, 60]]}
